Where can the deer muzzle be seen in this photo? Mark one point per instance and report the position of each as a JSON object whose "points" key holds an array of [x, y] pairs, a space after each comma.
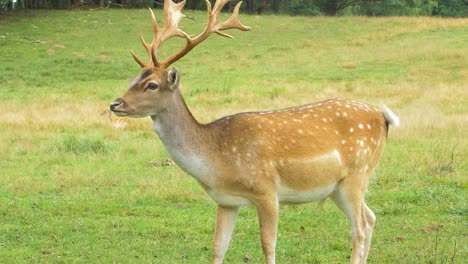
{"points": [[118, 107]]}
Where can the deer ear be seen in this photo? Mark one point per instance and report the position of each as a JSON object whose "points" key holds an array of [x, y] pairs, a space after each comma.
{"points": [[173, 79]]}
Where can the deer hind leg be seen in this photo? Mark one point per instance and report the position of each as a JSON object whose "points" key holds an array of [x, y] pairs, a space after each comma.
{"points": [[349, 197], [225, 221], [370, 221]]}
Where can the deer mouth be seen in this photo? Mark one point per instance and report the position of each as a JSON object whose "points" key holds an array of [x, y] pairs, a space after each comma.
{"points": [[120, 113]]}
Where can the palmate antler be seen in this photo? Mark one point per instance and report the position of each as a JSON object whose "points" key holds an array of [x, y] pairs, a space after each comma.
{"points": [[172, 16]]}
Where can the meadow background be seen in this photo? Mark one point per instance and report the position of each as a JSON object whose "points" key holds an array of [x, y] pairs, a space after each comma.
{"points": [[78, 185]]}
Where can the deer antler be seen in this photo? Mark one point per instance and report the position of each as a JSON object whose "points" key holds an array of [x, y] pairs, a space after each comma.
{"points": [[172, 16]]}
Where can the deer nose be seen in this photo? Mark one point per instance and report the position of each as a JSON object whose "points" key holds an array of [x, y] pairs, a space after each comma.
{"points": [[115, 104]]}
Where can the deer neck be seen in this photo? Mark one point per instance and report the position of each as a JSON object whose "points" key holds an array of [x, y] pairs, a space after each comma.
{"points": [[184, 138]]}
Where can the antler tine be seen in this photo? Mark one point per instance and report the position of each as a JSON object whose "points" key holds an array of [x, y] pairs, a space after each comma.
{"points": [[135, 57], [213, 25], [234, 21], [147, 46], [153, 47], [142, 64]]}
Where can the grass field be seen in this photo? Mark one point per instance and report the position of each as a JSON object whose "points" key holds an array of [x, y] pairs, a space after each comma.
{"points": [[78, 185]]}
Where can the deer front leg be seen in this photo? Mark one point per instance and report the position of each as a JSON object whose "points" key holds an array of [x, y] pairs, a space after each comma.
{"points": [[225, 221], [268, 218]]}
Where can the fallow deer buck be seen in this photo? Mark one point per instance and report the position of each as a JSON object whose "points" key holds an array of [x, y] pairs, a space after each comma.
{"points": [[300, 154]]}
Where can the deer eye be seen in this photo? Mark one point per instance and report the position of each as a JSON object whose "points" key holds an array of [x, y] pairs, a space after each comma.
{"points": [[152, 86]]}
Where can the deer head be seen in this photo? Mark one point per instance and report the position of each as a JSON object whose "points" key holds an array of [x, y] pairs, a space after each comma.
{"points": [[150, 92]]}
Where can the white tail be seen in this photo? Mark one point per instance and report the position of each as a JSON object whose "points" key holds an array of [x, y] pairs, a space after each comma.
{"points": [[391, 118], [306, 153]]}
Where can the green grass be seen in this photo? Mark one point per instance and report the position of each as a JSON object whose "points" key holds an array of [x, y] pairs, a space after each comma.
{"points": [[75, 189]]}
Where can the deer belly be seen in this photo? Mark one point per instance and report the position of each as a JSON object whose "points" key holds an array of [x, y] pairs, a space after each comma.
{"points": [[226, 199], [288, 195]]}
